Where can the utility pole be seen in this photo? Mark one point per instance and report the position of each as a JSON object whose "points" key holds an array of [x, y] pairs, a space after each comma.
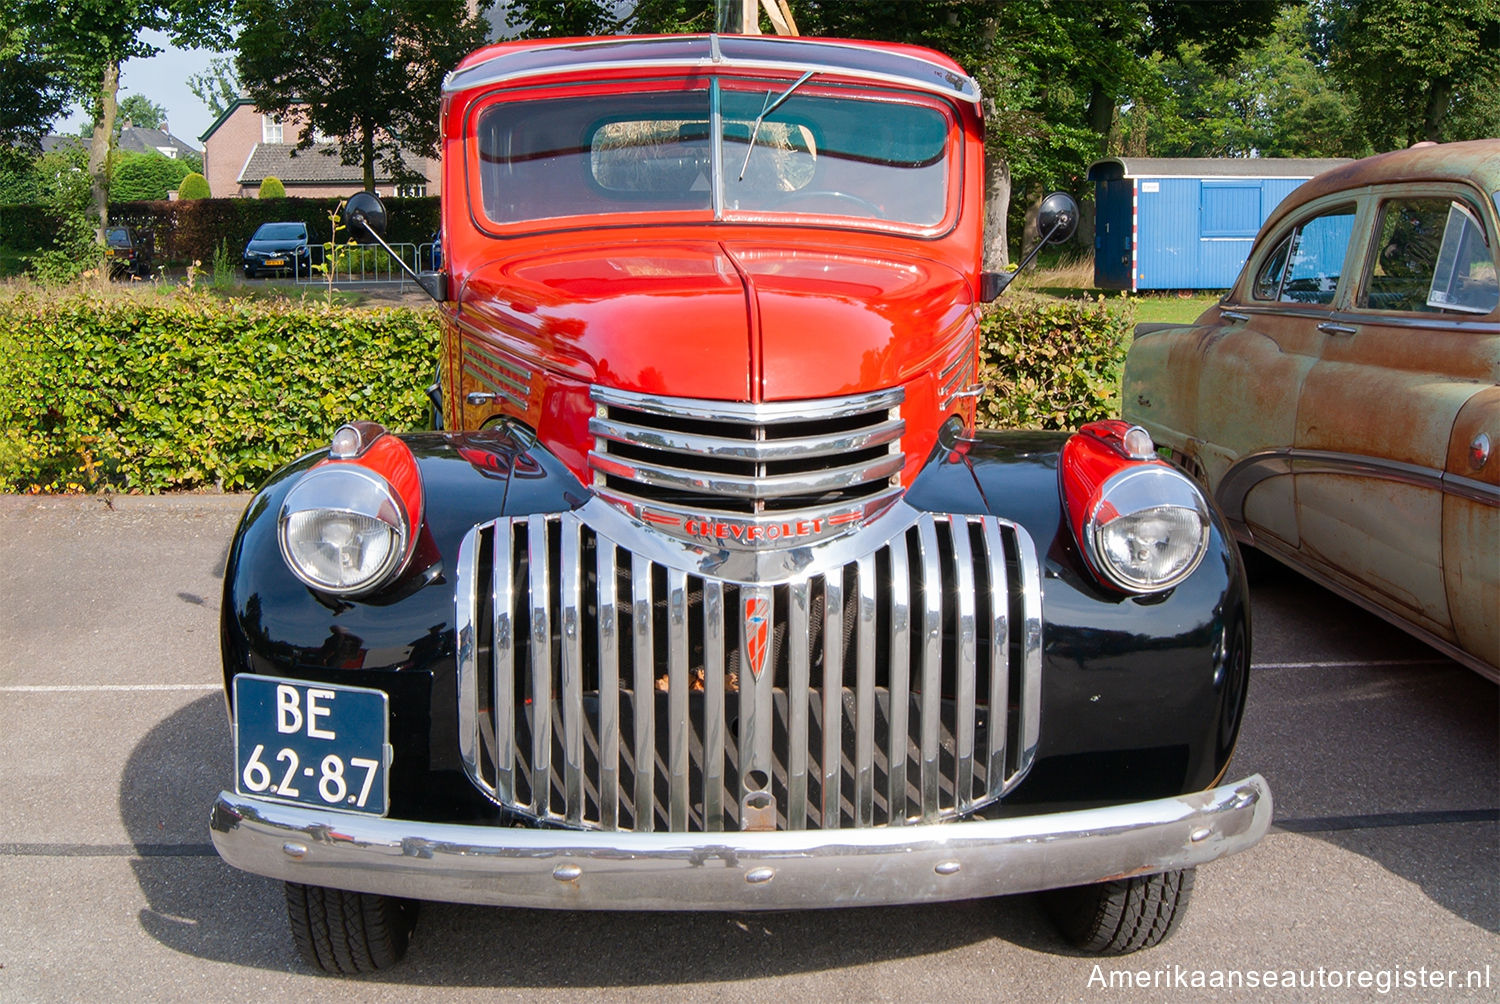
{"points": [[742, 17]]}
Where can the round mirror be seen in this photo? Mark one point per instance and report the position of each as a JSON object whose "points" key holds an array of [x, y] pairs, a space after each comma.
{"points": [[1057, 218], [365, 208]]}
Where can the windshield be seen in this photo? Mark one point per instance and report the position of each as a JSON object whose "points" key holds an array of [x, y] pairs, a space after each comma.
{"points": [[280, 232], [874, 156]]}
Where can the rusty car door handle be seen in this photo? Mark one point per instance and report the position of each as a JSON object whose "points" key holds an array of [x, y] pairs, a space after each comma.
{"points": [[1337, 329]]}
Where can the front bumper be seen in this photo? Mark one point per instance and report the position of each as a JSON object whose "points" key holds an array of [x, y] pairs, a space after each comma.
{"points": [[595, 870]]}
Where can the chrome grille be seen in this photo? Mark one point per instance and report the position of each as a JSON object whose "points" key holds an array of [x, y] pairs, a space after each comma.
{"points": [[699, 458], [600, 689]]}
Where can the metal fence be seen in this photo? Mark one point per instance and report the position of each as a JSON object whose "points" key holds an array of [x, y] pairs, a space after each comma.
{"points": [[369, 264]]}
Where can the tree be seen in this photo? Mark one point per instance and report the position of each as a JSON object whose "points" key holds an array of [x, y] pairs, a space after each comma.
{"points": [[34, 88], [87, 40], [137, 109], [369, 72], [194, 186], [217, 86], [1420, 69], [271, 188]]}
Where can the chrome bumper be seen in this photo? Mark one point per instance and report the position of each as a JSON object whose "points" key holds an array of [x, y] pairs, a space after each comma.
{"points": [[594, 870]]}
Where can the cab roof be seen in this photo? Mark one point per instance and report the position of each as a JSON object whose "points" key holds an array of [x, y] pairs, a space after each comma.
{"points": [[904, 65]]}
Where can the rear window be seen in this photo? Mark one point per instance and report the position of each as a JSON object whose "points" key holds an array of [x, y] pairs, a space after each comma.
{"points": [[1431, 255]]}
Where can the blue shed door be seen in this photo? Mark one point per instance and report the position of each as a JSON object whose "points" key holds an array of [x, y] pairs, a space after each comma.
{"points": [[1114, 224]]}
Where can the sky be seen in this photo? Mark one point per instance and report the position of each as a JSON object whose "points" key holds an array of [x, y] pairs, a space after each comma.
{"points": [[162, 79]]}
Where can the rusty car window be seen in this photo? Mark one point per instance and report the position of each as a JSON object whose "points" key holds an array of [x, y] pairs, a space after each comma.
{"points": [[1431, 256], [1315, 258], [1268, 282]]}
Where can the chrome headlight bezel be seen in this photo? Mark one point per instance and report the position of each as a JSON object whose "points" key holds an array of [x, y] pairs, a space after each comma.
{"points": [[353, 490], [1133, 494]]}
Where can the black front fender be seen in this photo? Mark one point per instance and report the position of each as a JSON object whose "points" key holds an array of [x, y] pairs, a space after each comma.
{"points": [[1141, 695]]}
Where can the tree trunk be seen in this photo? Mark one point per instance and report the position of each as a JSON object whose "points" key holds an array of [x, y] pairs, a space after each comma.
{"points": [[367, 142], [996, 210], [1438, 96], [99, 144]]}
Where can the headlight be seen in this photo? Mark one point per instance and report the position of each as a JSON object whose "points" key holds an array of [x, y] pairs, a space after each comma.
{"points": [[344, 529], [1148, 529]]}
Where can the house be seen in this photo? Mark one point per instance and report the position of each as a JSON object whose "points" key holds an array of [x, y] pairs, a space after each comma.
{"points": [[1185, 223], [132, 139], [244, 146], [139, 139]]}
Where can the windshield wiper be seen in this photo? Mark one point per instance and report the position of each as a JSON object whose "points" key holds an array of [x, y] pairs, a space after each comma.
{"points": [[770, 106]]}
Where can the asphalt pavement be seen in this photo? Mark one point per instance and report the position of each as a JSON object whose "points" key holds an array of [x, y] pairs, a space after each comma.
{"points": [[1380, 880]]}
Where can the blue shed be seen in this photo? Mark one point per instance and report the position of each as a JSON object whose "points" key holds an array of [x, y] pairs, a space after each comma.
{"points": [[1181, 223]]}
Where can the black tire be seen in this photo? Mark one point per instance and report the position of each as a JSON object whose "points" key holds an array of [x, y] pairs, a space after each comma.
{"points": [[1116, 918], [347, 933]]}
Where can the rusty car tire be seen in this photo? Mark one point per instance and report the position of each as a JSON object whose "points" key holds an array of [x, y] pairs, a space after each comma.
{"points": [[1116, 918], [346, 933]]}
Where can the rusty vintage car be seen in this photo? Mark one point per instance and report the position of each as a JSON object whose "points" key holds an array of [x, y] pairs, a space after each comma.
{"points": [[1342, 402], [709, 595]]}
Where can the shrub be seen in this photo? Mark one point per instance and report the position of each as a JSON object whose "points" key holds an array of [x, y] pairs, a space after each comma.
{"points": [[141, 176], [194, 186], [1051, 364], [72, 248], [272, 188], [148, 395]]}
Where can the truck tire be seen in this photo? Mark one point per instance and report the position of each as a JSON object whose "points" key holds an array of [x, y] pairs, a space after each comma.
{"points": [[347, 933], [1116, 918]]}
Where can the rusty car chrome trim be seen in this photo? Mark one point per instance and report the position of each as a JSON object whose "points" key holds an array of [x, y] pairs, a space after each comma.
{"points": [[1251, 470], [566, 869]]}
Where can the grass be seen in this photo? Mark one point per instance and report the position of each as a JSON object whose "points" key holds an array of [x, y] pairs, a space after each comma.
{"points": [[1073, 279]]}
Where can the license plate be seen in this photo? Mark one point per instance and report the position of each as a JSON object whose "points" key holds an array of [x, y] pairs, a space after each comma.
{"points": [[312, 743], [110, 253], [275, 261]]}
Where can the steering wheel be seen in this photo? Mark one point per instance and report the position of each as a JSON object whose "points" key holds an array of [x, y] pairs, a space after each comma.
{"points": [[870, 208]]}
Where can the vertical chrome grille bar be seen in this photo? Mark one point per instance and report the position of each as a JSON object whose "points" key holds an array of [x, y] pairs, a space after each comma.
{"points": [[503, 672], [833, 694], [966, 656], [1031, 653], [466, 609], [900, 680], [999, 716], [644, 698], [541, 665], [677, 700], [609, 685], [569, 574], [864, 695], [798, 673], [713, 705], [932, 669]]}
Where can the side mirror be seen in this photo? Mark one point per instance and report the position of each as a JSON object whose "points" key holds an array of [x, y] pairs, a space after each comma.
{"points": [[366, 210], [1057, 218], [1056, 221]]}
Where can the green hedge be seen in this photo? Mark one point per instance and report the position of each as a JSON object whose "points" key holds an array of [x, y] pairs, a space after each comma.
{"points": [[1051, 364], [193, 391], [190, 391]]}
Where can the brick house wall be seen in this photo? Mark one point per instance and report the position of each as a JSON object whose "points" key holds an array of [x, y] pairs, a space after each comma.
{"points": [[237, 156]]}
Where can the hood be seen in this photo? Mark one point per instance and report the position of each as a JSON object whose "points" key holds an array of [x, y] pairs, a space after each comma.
{"points": [[738, 321]]}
